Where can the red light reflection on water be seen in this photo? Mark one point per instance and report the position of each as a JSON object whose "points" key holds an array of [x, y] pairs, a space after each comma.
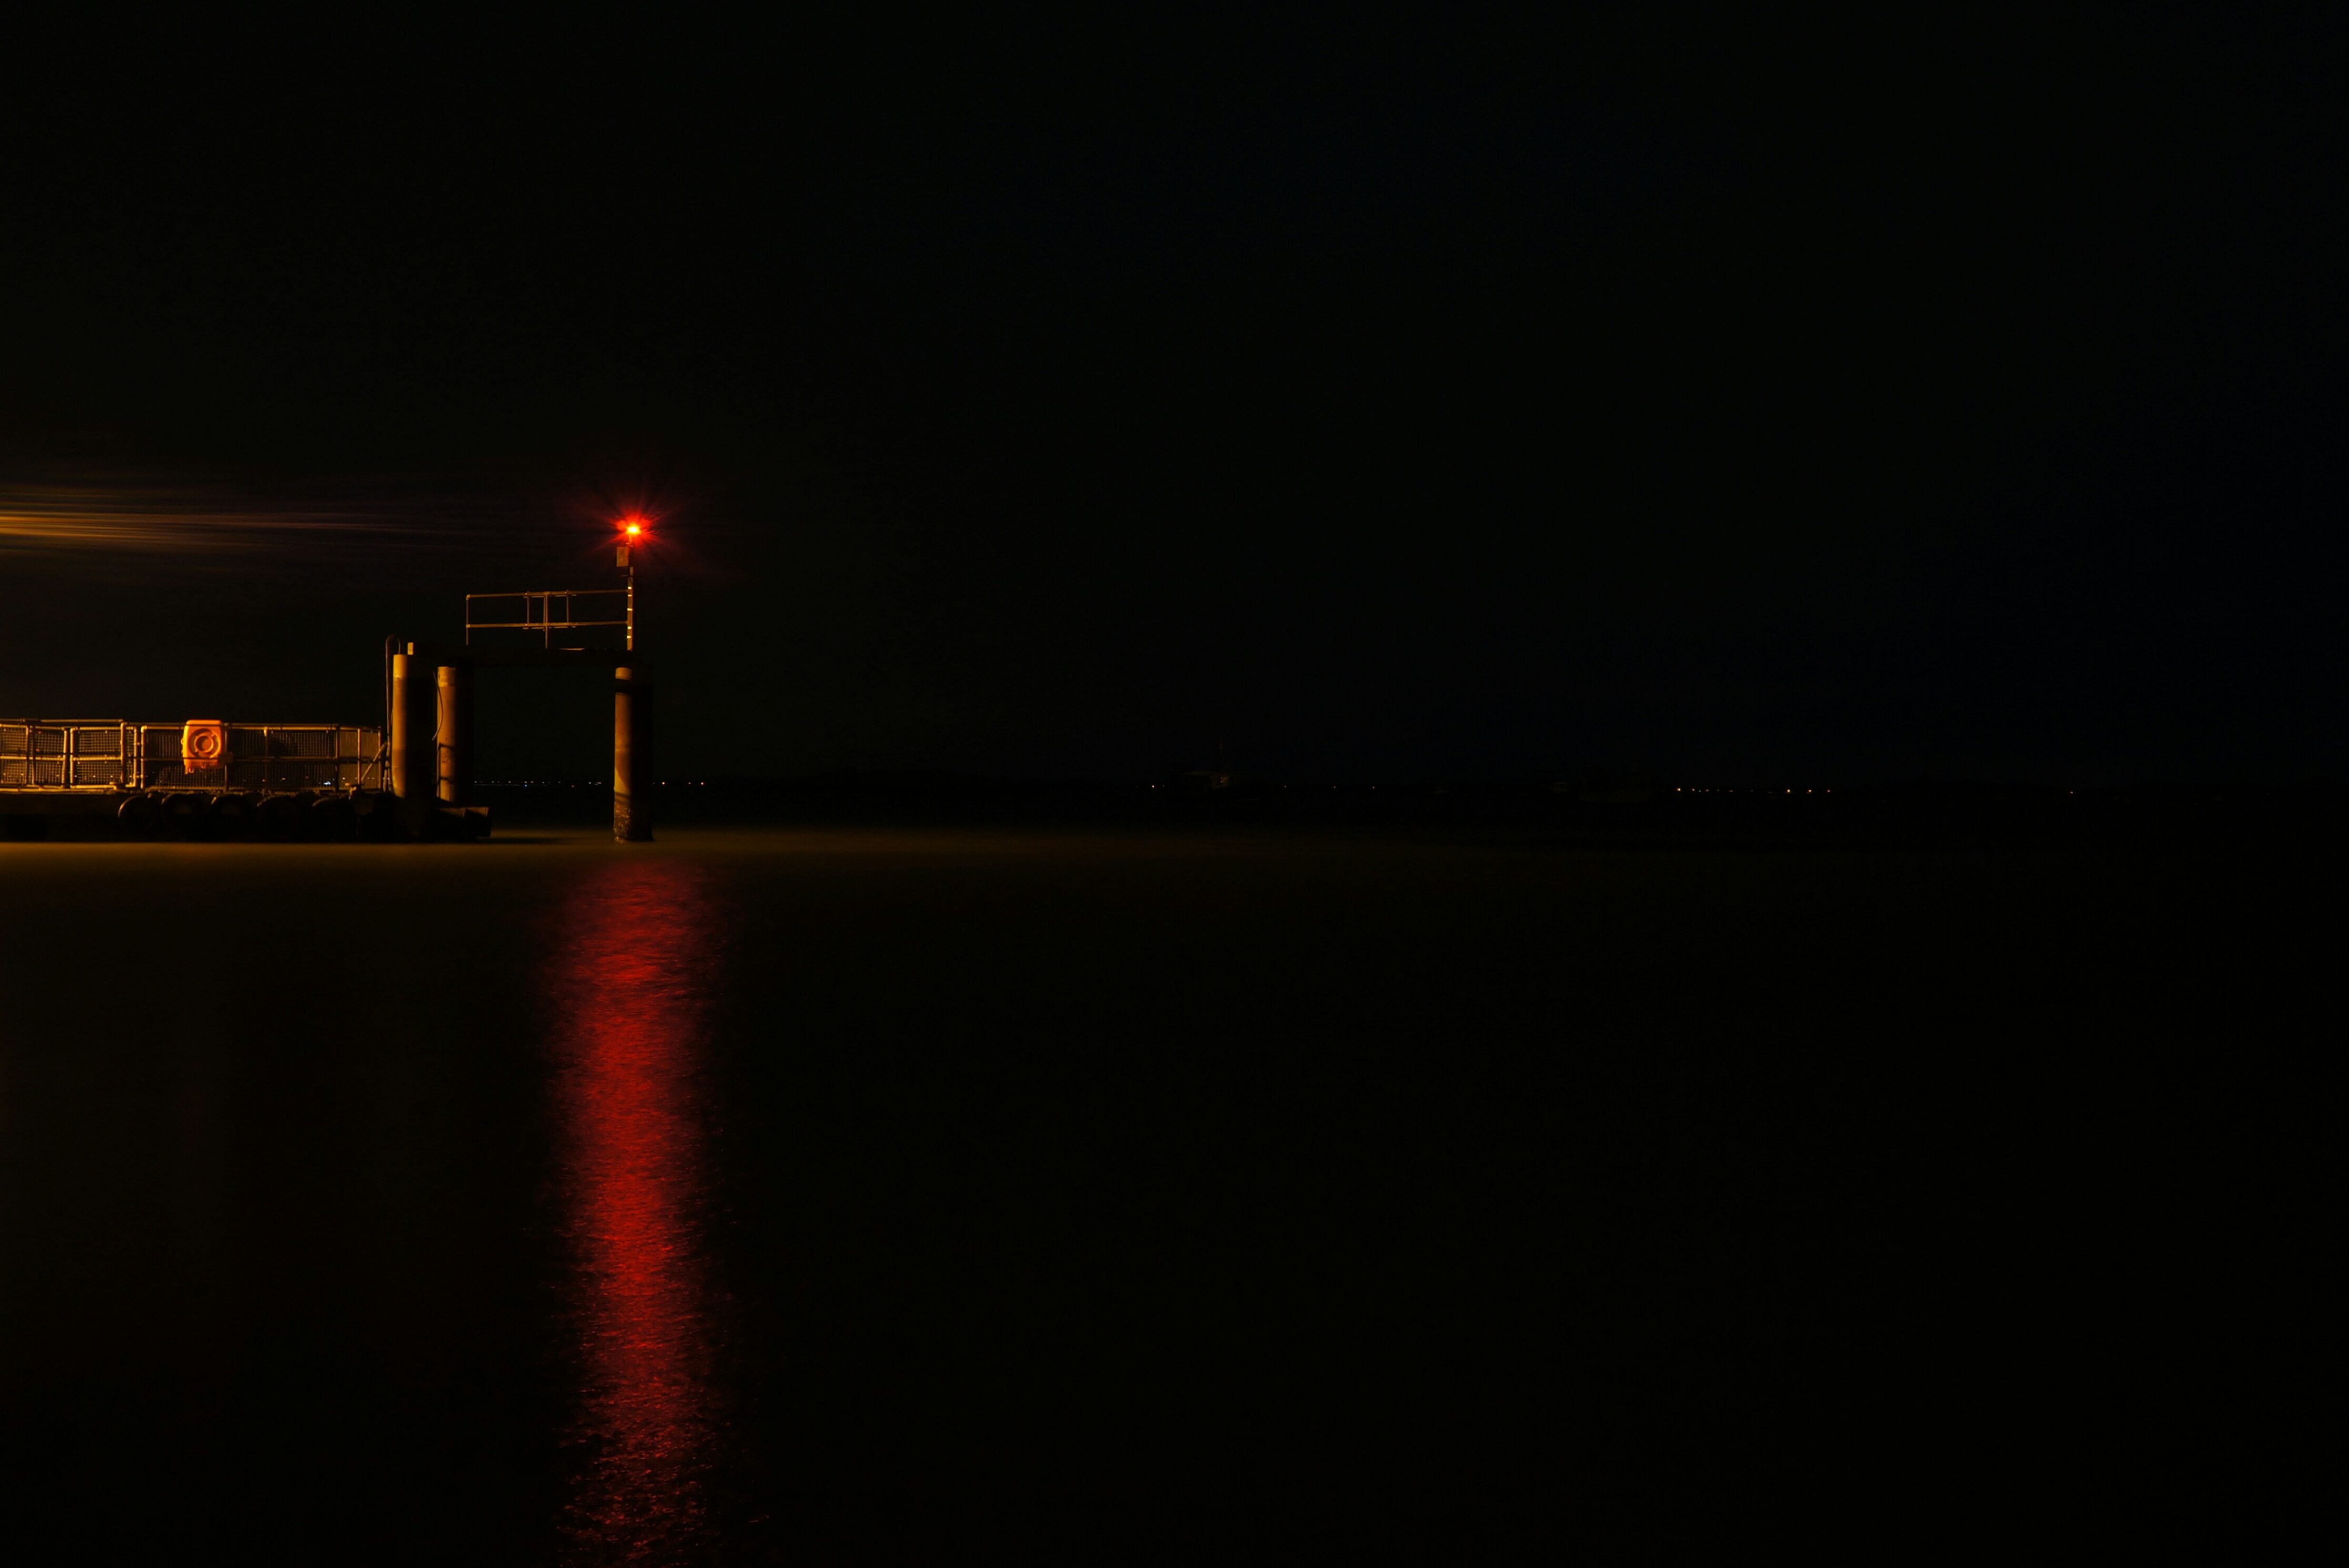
{"points": [[629, 983]]}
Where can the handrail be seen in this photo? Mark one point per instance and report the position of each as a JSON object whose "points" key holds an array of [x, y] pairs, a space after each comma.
{"points": [[127, 755], [543, 621]]}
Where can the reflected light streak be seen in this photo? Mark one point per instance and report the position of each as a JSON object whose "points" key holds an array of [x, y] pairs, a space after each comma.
{"points": [[631, 982]]}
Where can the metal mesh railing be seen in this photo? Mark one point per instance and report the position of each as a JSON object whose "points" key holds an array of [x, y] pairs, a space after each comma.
{"points": [[266, 759]]}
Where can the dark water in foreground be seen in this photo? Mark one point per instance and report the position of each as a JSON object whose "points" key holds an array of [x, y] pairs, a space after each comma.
{"points": [[820, 1197]]}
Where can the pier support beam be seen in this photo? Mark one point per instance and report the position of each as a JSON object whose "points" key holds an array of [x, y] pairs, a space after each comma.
{"points": [[410, 736], [632, 778], [453, 747]]}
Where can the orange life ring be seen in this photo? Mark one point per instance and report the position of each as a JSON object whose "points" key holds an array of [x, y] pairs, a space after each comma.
{"points": [[203, 742]]}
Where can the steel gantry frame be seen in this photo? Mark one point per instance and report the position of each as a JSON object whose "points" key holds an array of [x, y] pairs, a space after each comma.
{"points": [[538, 612]]}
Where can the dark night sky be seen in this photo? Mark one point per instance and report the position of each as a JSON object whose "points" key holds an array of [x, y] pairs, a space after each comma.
{"points": [[1365, 399]]}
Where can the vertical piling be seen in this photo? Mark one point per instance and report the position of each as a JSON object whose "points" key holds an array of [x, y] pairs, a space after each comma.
{"points": [[407, 744], [632, 781], [453, 748]]}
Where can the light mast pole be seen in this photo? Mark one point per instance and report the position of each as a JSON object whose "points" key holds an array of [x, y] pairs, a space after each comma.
{"points": [[632, 794], [630, 535]]}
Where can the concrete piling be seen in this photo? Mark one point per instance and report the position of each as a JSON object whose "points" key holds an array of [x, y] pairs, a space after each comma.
{"points": [[453, 747], [632, 780], [407, 738]]}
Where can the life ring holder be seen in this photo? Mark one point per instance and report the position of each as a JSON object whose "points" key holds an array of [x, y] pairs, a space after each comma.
{"points": [[204, 745]]}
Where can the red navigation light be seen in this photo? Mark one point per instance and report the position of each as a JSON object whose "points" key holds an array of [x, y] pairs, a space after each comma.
{"points": [[635, 529]]}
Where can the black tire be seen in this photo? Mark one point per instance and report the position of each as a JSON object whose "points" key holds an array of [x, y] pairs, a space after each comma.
{"points": [[280, 818], [140, 816], [333, 819], [230, 817], [182, 816]]}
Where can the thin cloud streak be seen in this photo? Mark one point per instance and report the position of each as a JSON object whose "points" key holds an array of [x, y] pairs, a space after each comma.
{"points": [[157, 520]]}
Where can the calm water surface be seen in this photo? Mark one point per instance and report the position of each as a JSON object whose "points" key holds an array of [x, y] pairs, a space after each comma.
{"points": [[804, 1196]]}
